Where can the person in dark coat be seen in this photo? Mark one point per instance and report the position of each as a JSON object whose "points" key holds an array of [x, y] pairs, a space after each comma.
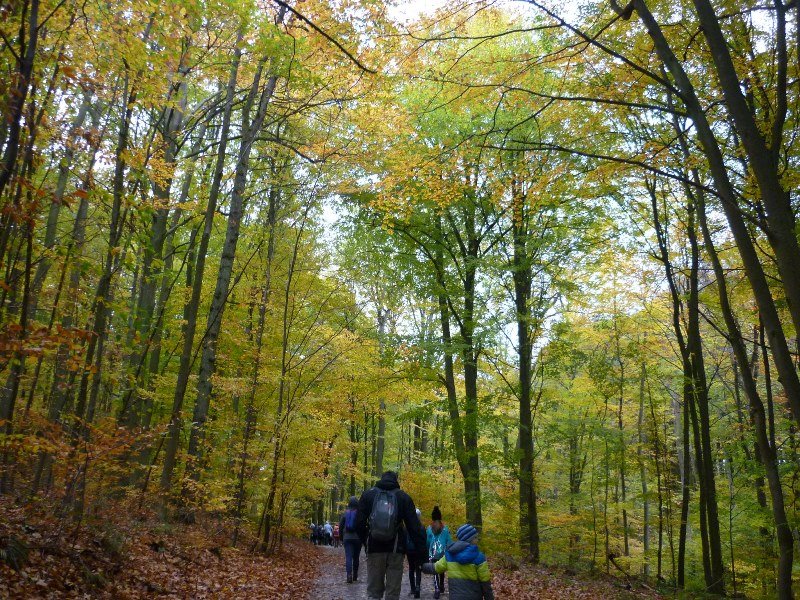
{"points": [[350, 539], [385, 558], [414, 563]]}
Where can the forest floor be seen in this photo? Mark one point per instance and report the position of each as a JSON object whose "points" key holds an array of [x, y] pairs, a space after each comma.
{"points": [[524, 583], [129, 554]]}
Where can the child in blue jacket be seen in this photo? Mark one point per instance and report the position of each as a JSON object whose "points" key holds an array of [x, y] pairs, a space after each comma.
{"points": [[466, 567], [438, 539]]}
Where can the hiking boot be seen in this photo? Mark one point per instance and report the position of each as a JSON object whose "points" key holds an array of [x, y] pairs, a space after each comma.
{"points": [[349, 579], [416, 594], [436, 594]]}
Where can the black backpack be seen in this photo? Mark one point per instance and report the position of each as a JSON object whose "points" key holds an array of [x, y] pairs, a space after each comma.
{"points": [[383, 518]]}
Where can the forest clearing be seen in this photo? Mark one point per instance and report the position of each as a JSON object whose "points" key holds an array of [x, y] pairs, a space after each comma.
{"points": [[509, 290]]}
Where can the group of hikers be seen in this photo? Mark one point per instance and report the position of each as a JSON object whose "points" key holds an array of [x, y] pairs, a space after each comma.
{"points": [[388, 526], [325, 535]]}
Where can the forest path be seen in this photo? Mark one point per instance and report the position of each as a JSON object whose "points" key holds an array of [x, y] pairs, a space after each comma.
{"points": [[332, 583], [528, 583]]}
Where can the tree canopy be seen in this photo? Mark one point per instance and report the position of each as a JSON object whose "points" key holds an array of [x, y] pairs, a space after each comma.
{"points": [[542, 261]]}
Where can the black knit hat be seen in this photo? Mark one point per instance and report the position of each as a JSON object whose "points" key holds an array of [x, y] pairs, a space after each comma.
{"points": [[436, 515]]}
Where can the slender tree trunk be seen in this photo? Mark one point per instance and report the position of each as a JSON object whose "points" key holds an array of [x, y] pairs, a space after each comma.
{"points": [[11, 391], [657, 462], [715, 581], [685, 499], [251, 415], [529, 521], [469, 353], [51, 230], [643, 476], [133, 410], [719, 172], [621, 432], [696, 396], [90, 377], [60, 389], [193, 305], [449, 376], [380, 449], [282, 408], [766, 452], [250, 131], [17, 97]]}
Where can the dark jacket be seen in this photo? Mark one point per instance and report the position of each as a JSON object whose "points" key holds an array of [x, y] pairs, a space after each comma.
{"points": [[407, 516], [467, 572]]}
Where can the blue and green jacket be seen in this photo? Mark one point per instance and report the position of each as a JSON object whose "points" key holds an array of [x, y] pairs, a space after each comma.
{"points": [[467, 572]]}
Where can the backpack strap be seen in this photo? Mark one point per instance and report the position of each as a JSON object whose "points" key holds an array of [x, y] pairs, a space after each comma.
{"points": [[397, 529]]}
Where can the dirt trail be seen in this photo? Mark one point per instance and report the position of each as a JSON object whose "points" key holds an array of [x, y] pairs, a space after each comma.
{"points": [[332, 585]]}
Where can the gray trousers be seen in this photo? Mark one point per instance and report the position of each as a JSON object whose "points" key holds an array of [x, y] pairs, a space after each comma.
{"points": [[384, 574]]}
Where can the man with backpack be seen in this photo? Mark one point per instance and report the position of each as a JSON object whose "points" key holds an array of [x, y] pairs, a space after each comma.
{"points": [[382, 510]]}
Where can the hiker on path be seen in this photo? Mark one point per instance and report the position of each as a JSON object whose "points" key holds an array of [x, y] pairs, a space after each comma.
{"points": [[381, 512], [438, 539], [319, 535], [350, 539], [328, 528], [414, 563]]}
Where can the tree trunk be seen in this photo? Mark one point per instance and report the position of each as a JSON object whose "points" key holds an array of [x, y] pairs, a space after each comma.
{"points": [[529, 521], [725, 189], [763, 155], [766, 452], [133, 410], [715, 579], [643, 477], [51, 229], [469, 357], [17, 97], [193, 305], [765, 449], [250, 131], [449, 379], [100, 308], [251, 415]]}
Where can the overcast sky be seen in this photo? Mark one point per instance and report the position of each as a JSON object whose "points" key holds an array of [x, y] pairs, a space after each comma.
{"points": [[411, 9]]}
